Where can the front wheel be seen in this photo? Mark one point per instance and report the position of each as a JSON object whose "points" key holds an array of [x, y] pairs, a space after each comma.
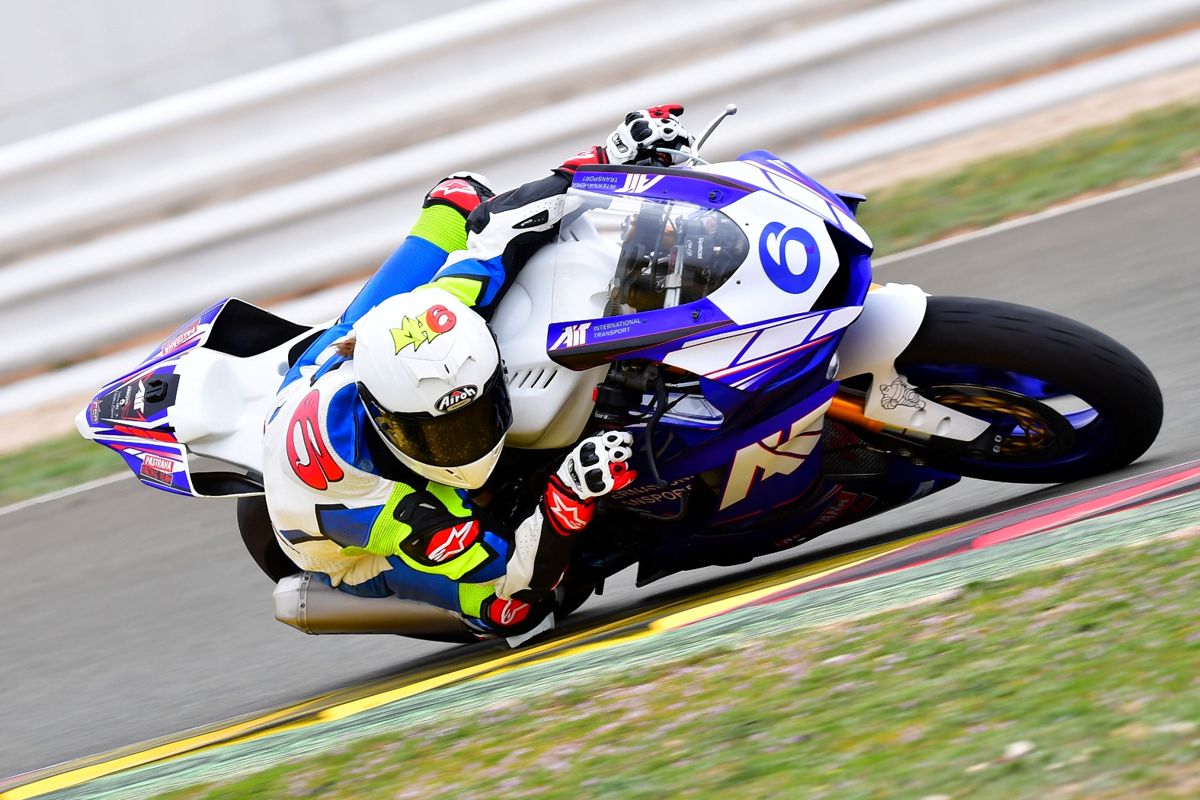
{"points": [[1065, 401]]}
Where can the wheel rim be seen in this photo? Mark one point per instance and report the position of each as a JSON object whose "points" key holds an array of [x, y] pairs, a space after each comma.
{"points": [[1029, 430], [1060, 427]]}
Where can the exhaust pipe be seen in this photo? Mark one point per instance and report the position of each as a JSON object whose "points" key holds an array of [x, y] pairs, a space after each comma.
{"points": [[310, 604]]}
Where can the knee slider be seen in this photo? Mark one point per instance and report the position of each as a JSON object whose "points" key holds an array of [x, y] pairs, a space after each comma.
{"points": [[517, 614]]}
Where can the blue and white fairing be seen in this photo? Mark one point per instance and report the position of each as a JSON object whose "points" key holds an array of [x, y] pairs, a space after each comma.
{"points": [[787, 259], [130, 414], [188, 418], [744, 275]]}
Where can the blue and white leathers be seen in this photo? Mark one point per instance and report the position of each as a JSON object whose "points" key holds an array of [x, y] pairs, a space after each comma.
{"points": [[342, 505]]}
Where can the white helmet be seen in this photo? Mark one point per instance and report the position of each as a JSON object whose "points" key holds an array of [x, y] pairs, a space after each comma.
{"points": [[430, 376]]}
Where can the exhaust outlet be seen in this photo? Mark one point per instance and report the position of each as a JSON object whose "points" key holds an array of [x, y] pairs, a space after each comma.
{"points": [[308, 603]]}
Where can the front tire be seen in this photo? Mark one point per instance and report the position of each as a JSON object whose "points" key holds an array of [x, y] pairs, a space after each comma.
{"points": [[1023, 369]]}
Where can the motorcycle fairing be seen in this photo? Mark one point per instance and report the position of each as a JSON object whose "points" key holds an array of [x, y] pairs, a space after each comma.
{"points": [[139, 403], [649, 499], [793, 260], [784, 270], [890, 318], [775, 462], [735, 537], [187, 420], [748, 357], [829, 504], [743, 362], [693, 338], [130, 414], [759, 466], [580, 344], [765, 170], [162, 465], [187, 336], [663, 183]]}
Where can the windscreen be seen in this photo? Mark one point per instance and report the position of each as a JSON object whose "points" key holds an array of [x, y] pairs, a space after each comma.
{"points": [[669, 252]]}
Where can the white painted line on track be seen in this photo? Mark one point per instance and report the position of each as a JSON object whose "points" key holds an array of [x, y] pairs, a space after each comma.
{"points": [[1050, 213], [60, 494], [1057, 211]]}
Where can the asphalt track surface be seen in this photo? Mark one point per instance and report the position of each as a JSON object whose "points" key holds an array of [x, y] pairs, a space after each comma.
{"points": [[130, 614], [715, 614]]}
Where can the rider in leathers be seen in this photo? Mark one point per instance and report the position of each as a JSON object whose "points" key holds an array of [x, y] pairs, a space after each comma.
{"points": [[371, 468]]}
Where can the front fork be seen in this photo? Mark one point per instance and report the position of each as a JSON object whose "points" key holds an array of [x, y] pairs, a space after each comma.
{"points": [[891, 316]]}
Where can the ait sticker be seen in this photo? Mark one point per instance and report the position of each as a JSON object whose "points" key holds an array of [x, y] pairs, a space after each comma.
{"points": [[423, 328], [458, 396]]}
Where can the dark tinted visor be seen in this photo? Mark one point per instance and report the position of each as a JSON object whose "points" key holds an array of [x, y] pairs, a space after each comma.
{"points": [[453, 439]]}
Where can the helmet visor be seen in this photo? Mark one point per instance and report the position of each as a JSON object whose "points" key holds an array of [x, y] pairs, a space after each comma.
{"points": [[453, 439]]}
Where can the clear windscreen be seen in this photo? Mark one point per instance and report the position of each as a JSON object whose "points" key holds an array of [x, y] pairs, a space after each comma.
{"points": [[663, 253]]}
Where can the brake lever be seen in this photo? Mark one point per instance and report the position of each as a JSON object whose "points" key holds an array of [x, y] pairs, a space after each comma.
{"points": [[694, 156], [688, 158]]}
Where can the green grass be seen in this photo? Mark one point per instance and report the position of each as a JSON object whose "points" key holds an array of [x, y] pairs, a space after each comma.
{"points": [[1085, 675], [1144, 146], [54, 464]]}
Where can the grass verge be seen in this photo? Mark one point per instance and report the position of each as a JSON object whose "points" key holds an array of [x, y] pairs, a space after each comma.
{"points": [[52, 465], [1078, 681], [1145, 146]]}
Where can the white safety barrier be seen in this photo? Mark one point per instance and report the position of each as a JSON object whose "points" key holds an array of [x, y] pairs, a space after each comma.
{"points": [[791, 86], [265, 90], [553, 127], [361, 98], [1009, 102]]}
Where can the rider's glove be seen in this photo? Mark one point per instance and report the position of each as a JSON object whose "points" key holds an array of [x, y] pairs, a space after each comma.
{"points": [[597, 466], [460, 190], [637, 139]]}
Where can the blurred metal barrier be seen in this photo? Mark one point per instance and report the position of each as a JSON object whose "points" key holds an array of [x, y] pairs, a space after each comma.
{"points": [[341, 106], [562, 125], [175, 149], [293, 178]]}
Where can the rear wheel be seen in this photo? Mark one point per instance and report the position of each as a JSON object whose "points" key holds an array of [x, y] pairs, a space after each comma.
{"points": [[1065, 401], [259, 537]]}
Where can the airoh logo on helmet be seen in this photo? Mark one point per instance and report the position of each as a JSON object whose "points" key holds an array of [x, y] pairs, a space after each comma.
{"points": [[458, 396], [424, 328]]}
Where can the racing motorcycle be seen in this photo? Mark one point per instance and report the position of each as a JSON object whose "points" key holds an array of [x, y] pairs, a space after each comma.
{"points": [[725, 315]]}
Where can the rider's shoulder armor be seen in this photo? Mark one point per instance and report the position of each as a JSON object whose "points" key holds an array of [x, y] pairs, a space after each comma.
{"points": [[315, 441]]}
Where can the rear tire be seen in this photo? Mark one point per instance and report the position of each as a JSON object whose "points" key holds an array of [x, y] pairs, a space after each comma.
{"points": [[259, 537], [1074, 358]]}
